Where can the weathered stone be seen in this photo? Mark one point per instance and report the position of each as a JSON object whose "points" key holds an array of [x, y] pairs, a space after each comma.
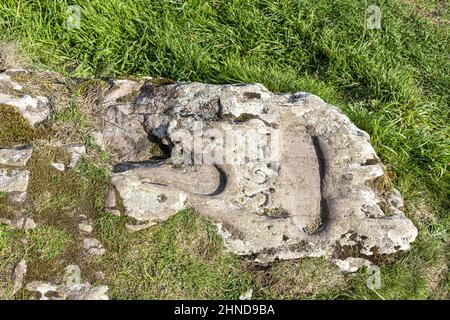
{"points": [[71, 289], [138, 227], [126, 137], [19, 275], [35, 110], [12, 180], [85, 227], [42, 287], [307, 189], [76, 151], [6, 83], [13, 177], [58, 166], [24, 223], [15, 157], [72, 275], [93, 247], [18, 197], [247, 295], [87, 292], [120, 89], [351, 264]]}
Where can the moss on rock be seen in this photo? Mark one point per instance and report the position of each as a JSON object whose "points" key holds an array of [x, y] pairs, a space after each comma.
{"points": [[16, 130]]}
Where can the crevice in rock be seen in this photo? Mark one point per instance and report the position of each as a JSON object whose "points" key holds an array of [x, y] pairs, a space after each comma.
{"points": [[370, 162], [126, 166], [324, 209], [276, 213], [252, 95], [223, 181], [244, 117]]}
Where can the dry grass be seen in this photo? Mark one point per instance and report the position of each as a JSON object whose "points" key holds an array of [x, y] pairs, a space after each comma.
{"points": [[11, 56], [437, 11], [310, 278]]}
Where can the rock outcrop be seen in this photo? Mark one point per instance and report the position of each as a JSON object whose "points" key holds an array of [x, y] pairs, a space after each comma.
{"points": [[34, 109], [283, 176], [14, 175]]}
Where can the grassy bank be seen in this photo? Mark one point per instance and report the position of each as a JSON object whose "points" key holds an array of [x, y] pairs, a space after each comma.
{"points": [[393, 83]]}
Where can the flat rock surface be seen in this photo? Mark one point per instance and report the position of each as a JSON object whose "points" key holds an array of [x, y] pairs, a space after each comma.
{"points": [[34, 109], [15, 156], [282, 175], [12, 180], [14, 175]]}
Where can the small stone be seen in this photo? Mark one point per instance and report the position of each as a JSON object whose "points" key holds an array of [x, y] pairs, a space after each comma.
{"points": [[110, 201], [85, 227], [15, 157], [42, 287], [18, 197], [58, 166], [93, 247], [76, 152], [138, 227], [13, 180], [72, 288], [6, 82], [72, 275], [24, 223], [18, 275], [351, 264], [247, 295], [88, 293], [35, 110]]}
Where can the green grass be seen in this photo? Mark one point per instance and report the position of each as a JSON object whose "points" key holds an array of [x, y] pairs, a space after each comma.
{"points": [[392, 82], [54, 193], [183, 258], [47, 243], [55, 201], [10, 253], [71, 114], [42, 248]]}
